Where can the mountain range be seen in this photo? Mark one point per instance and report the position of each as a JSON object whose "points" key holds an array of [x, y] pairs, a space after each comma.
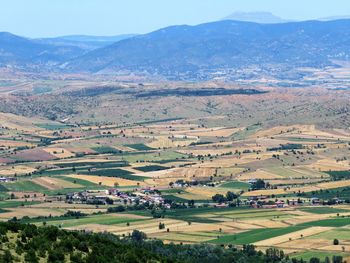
{"points": [[29, 54], [223, 45], [187, 50]]}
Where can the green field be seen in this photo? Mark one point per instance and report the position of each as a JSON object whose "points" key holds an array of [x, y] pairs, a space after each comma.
{"points": [[323, 210], [285, 172], [175, 198], [255, 235], [153, 157], [96, 219], [139, 147], [339, 233], [115, 173], [236, 185], [110, 164], [14, 204], [78, 181], [336, 222], [151, 168], [339, 175], [25, 186], [193, 214], [3, 188]]}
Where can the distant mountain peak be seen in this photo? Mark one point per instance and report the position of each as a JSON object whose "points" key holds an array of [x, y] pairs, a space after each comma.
{"points": [[256, 17]]}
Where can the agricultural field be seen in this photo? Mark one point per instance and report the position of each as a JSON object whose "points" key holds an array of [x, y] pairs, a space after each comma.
{"points": [[184, 175]]}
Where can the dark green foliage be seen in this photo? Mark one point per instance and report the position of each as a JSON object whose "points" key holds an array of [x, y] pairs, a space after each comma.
{"points": [[54, 245], [151, 168], [315, 260], [339, 175], [341, 193], [336, 222], [31, 257], [259, 184], [105, 149], [115, 173], [116, 209], [219, 198], [92, 164], [337, 259], [289, 146], [7, 257]]}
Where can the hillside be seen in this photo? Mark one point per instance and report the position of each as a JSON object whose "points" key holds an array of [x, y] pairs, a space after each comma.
{"points": [[29, 243], [223, 45], [16, 51]]}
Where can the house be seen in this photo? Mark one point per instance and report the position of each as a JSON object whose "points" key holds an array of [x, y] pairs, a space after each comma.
{"points": [[112, 191], [221, 205], [7, 179], [280, 204], [315, 201], [293, 202]]}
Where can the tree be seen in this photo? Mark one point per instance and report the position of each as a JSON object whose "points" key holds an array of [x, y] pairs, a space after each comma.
{"points": [[191, 203], [219, 198], [335, 242], [315, 260], [337, 259], [230, 196], [7, 257], [138, 236], [31, 257], [56, 255], [259, 184]]}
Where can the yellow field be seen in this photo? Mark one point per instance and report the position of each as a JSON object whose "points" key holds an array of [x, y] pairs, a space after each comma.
{"points": [[303, 243], [201, 193], [165, 142], [295, 235], [309, 188], [15, 122], [330, 165], [54, 183], [300, 131], [148, 227], [259, 174], [13, 144], [17, 170], [210, 132], [104, 180], [31, 212]]}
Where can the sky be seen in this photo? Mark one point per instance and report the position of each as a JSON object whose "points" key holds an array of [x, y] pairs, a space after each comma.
{"points": [[49, 18]]}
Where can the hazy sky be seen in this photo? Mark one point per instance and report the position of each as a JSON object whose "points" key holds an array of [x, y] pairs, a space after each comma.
{"points": [[42, 18]]}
